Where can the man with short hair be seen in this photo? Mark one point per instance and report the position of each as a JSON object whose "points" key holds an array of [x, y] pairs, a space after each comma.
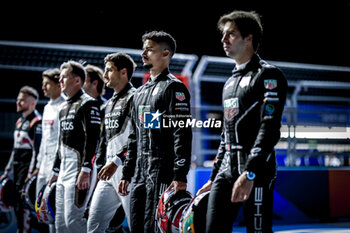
{"points": [[253, 100], [94, 85], [119, 68], [23, 158], [80, 124], [162, 155], [48, 147]]}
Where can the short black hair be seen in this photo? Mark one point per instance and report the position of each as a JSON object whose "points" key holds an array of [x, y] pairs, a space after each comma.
{"points": [[161, 37], [122, 60]]}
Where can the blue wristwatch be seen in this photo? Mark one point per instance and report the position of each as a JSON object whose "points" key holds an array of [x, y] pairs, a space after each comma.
{"points": [[250, 175]]}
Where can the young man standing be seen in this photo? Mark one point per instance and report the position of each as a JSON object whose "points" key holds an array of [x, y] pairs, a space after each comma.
{"points": [[27, 137], [162, 155], [48, 147], [80, 124], [253, 100], [119, 68]]}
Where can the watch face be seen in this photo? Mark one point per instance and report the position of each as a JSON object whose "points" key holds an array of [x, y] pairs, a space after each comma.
{"points": [[250, 175]]}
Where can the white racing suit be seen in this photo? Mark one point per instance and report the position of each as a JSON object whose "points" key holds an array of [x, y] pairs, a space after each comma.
{"points": [[113, 147], [80, 123]]}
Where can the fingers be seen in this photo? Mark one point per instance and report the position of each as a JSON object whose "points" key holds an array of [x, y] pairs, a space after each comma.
{"points": [[123, 188]]}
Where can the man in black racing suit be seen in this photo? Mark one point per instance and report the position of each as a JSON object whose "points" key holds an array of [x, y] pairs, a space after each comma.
{"points": [[253, 100], [80, 124], [162, 155], [27, 137]]}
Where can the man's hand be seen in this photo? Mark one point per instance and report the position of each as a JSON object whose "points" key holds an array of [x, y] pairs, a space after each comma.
{"points": [[107, 171], [242, 188], [206, 187], [177, 186], [52, 180], [34, 173], [83, 181], [123, 188]]}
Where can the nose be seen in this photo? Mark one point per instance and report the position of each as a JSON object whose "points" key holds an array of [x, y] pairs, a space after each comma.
{"points": [[224, 37], [143, 54]]}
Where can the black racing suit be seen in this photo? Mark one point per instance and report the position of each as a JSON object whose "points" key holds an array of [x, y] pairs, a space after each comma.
{"points": [[161, 155], [80, 124], [253, 100], [27, 137]]}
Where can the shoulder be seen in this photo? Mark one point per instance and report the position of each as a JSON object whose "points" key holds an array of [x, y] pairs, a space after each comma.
{"points": [[271, 74]]}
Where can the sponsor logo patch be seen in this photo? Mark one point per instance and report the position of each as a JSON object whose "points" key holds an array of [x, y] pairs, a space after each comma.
{"points": [[231, 108]]}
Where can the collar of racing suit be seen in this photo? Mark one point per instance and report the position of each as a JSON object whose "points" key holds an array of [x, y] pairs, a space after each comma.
{"points": [[252, 63], [123, 91], [76, 96], [159, 77]]}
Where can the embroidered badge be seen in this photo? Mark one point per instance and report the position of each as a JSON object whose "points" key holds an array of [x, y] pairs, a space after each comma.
{"points": [[231, 108], [180, 96], [270, 84]]}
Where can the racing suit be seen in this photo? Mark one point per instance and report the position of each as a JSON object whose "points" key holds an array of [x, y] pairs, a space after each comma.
{"points": [[162, 154], [27, 137], [253, 100], [80, 123], [48, 146], [113, 147]]}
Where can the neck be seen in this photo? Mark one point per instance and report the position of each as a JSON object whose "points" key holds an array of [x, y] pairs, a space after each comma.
{"points": [[52, 98], [27, 113], [154, 71], [244, 57], [72, 93]]}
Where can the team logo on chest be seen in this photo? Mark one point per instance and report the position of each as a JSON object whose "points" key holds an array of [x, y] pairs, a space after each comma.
{"points": [[142, 109], [231, 108]]}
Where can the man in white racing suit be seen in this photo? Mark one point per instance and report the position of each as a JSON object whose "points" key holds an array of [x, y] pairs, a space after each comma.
{"points": [[48, 147]]}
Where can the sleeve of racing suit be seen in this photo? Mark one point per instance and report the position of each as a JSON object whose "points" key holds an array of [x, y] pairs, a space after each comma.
{"points": [[131, 156], [37, 142], [92, 124], [219, 157], [273, 88], [177, 98], [101, 151]]}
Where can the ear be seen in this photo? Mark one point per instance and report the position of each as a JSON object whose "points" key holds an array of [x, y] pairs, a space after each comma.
{"points": [[166, 53], [249, 38], [124, 71], [95, 82]]}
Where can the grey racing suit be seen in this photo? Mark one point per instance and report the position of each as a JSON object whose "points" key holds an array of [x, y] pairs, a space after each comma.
{"points": [[112, 149], [80, 123]]}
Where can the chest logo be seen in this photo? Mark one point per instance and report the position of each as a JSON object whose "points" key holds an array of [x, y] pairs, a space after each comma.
{"points": [[231, 108]]}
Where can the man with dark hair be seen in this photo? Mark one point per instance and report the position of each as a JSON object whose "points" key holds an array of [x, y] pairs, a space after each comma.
{"points": [[26, 145], [162, 155], [52, 89], [253, 99], [119, 68], [79, 129], [94, 85]]}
